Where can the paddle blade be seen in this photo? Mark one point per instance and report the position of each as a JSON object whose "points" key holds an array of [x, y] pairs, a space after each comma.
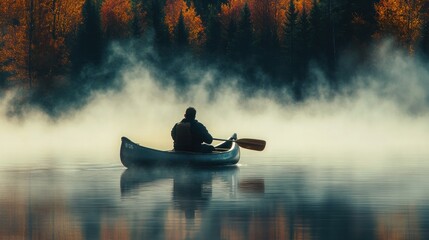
{"points": [[253, 144]]}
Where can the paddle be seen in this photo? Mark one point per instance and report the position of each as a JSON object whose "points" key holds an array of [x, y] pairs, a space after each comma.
{"points": [[252, 144]]}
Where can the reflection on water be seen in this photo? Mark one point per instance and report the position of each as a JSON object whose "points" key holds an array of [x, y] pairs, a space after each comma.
{"points": [[263, 199]]}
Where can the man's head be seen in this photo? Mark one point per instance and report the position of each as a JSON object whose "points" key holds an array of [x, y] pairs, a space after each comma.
{"points": [[190, 113]]}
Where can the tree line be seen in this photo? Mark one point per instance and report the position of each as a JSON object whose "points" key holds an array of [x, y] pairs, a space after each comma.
{"points": [[46, 45]]}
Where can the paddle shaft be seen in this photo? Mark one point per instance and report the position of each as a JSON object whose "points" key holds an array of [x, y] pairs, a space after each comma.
{"points": [[225, 140], [253, 144]]}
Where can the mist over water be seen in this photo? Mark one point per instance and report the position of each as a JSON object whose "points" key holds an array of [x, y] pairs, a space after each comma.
{"points": [[384, 110]]}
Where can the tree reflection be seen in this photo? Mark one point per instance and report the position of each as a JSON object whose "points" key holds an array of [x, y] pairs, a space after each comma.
{"points": [[184, 203]]}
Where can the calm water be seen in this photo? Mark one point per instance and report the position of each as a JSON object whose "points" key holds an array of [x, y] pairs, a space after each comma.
{"points": [[276, 197]]}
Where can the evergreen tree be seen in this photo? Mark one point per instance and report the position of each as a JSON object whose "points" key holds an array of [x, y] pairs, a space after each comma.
{"points": [[267, 42], [329, 28], [290, 40], [3, 82], [214, 31], [205, 8], [156, 17], [89, 46], [181, 33], [303, 43], [245, 34], [319, 32], [315, 29], [230, 38], [362, 21], [425, 39], [136, 24]]}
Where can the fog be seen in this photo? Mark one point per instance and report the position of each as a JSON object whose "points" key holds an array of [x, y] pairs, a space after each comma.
{"points": [[383, 111]]}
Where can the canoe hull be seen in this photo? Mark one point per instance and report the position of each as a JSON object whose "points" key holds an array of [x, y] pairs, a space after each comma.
{"points": [[134, 155]]}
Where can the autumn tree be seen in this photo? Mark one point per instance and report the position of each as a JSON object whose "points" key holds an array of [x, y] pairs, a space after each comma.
{"points": [[16, 42], [34, 47], [193, 23], [303, 5], [231, 11], [402, 19], [116, 18], [195, 26], [264, 21], [229, 15], [172, 10]]}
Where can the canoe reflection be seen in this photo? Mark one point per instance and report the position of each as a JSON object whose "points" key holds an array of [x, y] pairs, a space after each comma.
{"points": [[184, 178], [192, 192]]}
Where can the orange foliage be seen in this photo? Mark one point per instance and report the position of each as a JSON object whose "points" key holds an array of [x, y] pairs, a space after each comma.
{"points": [[141, 16], [116, 16], [66, 16], [33, 36], [172, 10], [231, 11], [274, 13], [300, 5], [13, 53], [194, 24], [402, 19], [271, 13]]}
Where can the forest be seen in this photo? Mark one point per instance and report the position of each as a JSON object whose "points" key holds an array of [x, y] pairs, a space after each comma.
{"points": [[55, 51]]}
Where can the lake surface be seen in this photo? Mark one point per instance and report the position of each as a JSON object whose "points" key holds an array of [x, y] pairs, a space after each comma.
{"points": [[264, 197]]}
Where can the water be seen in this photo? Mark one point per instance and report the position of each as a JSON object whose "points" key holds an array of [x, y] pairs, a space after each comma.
{"points": [[264, 197]]}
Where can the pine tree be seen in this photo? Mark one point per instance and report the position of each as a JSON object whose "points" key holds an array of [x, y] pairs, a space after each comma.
{"points": [[303, 43], [161, 37], [89, 44], [138, 23], [230, 38], [363, 21], [290, 39], [318, 32], [245, 34], [425, 39], [314, 20], [180, 32], [214, 31]]}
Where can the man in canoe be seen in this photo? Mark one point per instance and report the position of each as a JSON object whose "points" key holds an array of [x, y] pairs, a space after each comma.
{"points": [[190, 135]]}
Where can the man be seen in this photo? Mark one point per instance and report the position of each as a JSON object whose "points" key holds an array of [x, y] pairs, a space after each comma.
{"points": [[189, 134]]}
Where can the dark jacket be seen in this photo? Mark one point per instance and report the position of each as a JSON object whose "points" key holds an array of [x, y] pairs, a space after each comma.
{"points": [[188, 135]]}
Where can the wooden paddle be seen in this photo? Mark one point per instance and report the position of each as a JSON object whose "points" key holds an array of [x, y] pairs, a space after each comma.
{"points": [[252, 144]]}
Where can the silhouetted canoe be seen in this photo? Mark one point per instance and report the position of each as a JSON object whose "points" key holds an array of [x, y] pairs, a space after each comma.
{"points": [[132, 154]]}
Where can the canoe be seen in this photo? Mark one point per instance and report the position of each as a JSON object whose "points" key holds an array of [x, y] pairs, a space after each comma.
{"points": [[134, 155]]}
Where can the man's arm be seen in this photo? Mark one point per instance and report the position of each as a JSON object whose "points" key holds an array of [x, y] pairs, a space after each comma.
{"points": [[207, 138]]}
